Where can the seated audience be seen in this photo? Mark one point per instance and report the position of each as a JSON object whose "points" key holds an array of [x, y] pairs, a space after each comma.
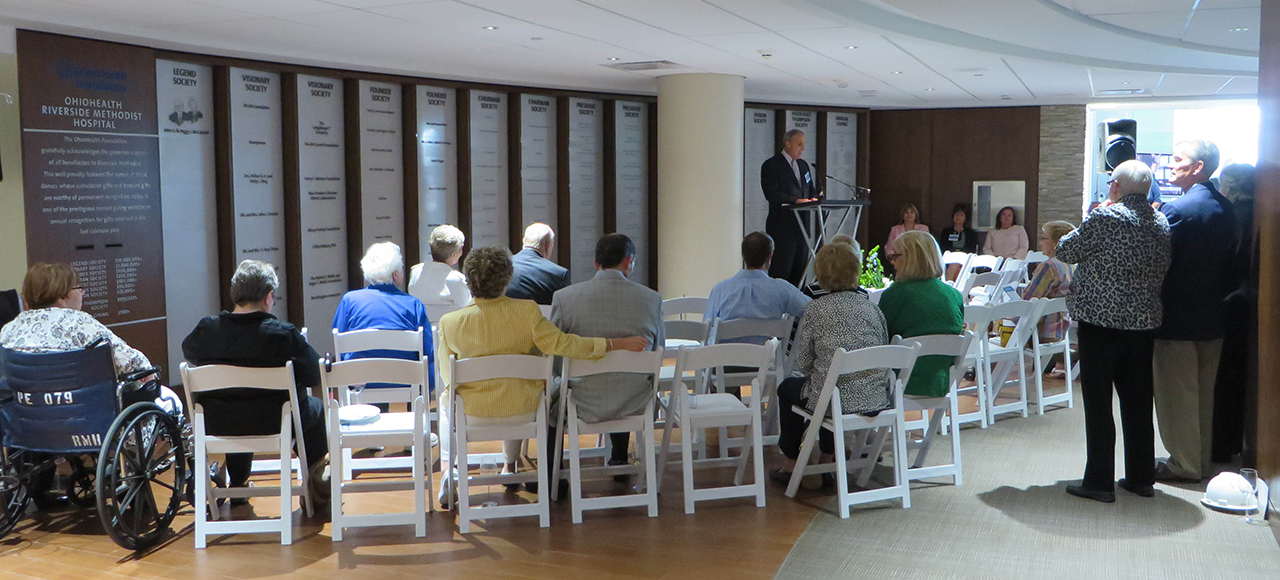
{"points": [[494, 324], [437, 284], [535, 277], [920, 303], [959, 237], [751, 293], [382, 305], [846, 319], [1121, 252], [909, 215], [1052, 279], [1008, 240], [249, 336], [611, 306]]}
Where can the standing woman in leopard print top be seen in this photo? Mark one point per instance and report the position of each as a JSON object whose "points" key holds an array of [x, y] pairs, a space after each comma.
{"points": [[1122, 251]]}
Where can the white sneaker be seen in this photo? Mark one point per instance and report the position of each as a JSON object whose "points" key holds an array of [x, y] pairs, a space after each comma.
{"points": [[435, 440]]}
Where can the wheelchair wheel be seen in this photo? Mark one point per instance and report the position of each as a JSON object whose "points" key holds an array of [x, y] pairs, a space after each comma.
{"points": [[80, 487], [141, 476], [14, 493]]}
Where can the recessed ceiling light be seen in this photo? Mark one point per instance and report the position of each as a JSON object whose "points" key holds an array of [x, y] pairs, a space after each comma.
{"points": [[851, 48], [897, 72], [930, 89], [1240, 29], [614, 58], [1125, 83], [536, 38], [491, 28], [977, 74]]}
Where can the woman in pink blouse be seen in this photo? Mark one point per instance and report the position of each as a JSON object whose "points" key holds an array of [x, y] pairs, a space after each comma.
{"points": [[1008, 240], [909, 216]]}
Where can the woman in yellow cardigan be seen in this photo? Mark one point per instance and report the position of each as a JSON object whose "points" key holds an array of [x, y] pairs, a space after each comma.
{"points": [[493, 324]]}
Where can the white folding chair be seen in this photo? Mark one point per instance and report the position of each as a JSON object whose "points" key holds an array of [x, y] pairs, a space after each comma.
{"points": [[977, 319], [400, 429], [1043, 352], [686, 333], [684, 307], [779, 369], [932, 409], [483, 368], [979, 287], [644, 363], [1002, 359], [1035, 258], [711, 410], [960, 259], [408, 341], [898, 360], [207, 378]]}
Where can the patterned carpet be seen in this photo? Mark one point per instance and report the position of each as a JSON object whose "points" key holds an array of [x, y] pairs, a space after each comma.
{"points": [[1012, 519]]}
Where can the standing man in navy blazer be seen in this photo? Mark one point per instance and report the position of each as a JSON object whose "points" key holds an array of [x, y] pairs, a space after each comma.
{"points": [[534, 277], [1189, 343], [786, 178]]}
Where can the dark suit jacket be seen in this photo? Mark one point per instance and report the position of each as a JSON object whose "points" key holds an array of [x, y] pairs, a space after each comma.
{"points": [[780, 186], [1203, 230], [535, 278], [970, 240]]}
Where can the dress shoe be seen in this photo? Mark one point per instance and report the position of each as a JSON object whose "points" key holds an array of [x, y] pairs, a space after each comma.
{"points": [[1141, 490], [1165, 472], [621, 477], [1102, 496]]}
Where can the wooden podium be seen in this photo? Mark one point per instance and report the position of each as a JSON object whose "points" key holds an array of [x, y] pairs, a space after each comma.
{"points": [[815, 217]]}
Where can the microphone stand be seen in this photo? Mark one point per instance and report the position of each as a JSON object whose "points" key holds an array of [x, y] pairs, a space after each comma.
{"points": [[856, 190]]}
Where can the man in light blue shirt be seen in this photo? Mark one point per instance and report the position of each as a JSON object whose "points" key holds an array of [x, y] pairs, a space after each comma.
{"points": [[751, 293]]}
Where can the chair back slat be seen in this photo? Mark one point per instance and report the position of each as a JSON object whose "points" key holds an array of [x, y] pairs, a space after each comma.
{"points": [[898, 360], [217, 377], [373, 370], [1036, 257], [723, 355], [1050, 306], [687, 330], [1027, 313], [684, 306], [960, 258], [377, 339], [618, 361], [501, 366], [956, 346], [985, 261], [779, 328]]}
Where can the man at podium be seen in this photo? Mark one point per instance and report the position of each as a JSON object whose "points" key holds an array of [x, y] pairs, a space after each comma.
{"points": [[786, 178]]}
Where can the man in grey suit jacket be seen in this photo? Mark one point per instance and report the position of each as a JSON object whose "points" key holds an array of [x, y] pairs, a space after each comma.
{"points": [[611, 306]]}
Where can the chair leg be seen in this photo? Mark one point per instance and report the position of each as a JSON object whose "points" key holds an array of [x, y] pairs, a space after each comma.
{"points": [[464, 488], [877, 448], [544, 496], [900, 461], [757, 457], [666, 448], [842, 472], [806, 450], [1022, 381], [1066, 364], [1039, 372], [286, 485], [650, 473], [557, 460], [336, 466], [686, 462], [419, 486], [575, 469], [203, 500], [958, 478], [741, 470], [934, 423]]}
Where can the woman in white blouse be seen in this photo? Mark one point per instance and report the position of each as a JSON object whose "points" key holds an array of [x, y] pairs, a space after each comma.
{"points": [[440, 287], [1008, 240], [53, 321]]}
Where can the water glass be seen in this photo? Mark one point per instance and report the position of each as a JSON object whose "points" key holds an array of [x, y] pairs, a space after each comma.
{"points": [[1254, 515], [488, 468], [355, 393]]}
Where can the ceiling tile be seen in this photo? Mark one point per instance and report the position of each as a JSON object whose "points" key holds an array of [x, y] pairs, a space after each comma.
{"points": [[780, 16], [1168, 24], [1110, 79], [683, 17], [1175, 85], [1213, 27], [1134, 6], [1240, 86], [274, 7]]}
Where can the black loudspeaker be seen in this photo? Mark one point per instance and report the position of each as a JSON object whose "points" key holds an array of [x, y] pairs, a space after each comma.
{"points": [[1119, 141]]}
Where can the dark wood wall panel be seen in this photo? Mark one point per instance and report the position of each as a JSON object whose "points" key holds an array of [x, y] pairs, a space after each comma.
{"points": [[564, 221], [464, 165], [931, 157], [409, 150], [355, 223], [292, 199], [515, 171], [1267, 219], [224, 205]]}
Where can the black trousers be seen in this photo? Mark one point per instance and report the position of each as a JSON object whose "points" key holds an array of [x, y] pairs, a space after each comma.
{"points": [[1229, 405], [314, 440], [791, 426], [1119, 358], [790, 257]]}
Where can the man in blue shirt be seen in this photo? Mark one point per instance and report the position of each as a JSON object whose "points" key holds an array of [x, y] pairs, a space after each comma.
{"points": [[383, 305], [751, 293]]}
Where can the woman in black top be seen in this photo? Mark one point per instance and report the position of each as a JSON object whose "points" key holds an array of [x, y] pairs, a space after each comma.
{"points": [[958, 237]]}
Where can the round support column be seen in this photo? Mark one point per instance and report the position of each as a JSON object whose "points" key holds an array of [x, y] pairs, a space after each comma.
{"points": [[699, 181]]}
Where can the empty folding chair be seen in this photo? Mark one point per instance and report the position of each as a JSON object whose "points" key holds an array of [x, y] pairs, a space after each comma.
{"points": [[1034, 258], [408, 429], [977, 319], [684, 308], [383, 342], [933, 409], [1044, 351], [979, 287], [642, 363], [827, 414], [208, 378], [760, 329], [483, 368], [1002, 359], [713, 410]]}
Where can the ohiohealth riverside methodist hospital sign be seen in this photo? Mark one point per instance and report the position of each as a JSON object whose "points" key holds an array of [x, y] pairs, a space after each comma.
{"points": [[91, 177]]}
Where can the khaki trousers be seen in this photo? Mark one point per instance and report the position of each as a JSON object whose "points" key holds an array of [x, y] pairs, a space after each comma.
{"points": [[1184, 373]]}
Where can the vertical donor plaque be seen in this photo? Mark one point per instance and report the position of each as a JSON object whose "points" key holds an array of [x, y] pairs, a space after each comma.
{"points": [[381, 164], [322, 204], [538, 160], [437, 162], [257, 168], [586, 185], [91, 177], [758, 136], [489, 203], [187, 190], [632, 170], [842, 158]]}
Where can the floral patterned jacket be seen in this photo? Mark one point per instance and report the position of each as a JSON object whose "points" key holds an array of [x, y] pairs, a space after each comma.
{"points": [[56, 329]]}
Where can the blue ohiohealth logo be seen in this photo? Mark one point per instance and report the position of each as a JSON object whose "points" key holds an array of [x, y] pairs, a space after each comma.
{"points": [[93, 79]]}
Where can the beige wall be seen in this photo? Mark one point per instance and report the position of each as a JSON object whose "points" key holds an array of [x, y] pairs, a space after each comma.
{"points": [[13, 257]]}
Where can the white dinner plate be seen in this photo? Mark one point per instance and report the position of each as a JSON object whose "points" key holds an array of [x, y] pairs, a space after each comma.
{"points": [[358, 414]]}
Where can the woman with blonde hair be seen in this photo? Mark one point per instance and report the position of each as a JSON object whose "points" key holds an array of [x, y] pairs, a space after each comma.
{"points": [[1052, 279], [909, 215], [919, 303], [844, 318]]}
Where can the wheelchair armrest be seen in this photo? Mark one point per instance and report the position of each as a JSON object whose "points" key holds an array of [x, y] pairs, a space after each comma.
{"points": [[138, 374]]}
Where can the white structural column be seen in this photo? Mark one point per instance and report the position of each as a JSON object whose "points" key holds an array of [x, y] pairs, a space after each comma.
{"points": [[699, 181]]}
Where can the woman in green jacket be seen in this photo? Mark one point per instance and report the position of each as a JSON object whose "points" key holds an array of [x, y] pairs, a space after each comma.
{"points": [[919, 303]]}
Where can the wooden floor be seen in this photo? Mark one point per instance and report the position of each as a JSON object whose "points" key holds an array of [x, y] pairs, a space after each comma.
{"points": [[724, 539]]}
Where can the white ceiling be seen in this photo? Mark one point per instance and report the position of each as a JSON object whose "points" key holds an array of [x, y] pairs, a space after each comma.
{"points": [[909, 53]]}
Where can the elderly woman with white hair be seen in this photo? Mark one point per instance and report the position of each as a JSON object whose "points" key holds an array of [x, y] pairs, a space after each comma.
{"points": [[383, 305], [1121, 252], [440, 287]]}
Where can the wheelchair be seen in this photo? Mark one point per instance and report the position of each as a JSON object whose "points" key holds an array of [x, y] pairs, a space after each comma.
{"points": [[60, 407]]}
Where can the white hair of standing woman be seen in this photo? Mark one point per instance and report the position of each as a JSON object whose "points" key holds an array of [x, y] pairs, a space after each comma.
{"points": [[380, 263], [1132, 176]]}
